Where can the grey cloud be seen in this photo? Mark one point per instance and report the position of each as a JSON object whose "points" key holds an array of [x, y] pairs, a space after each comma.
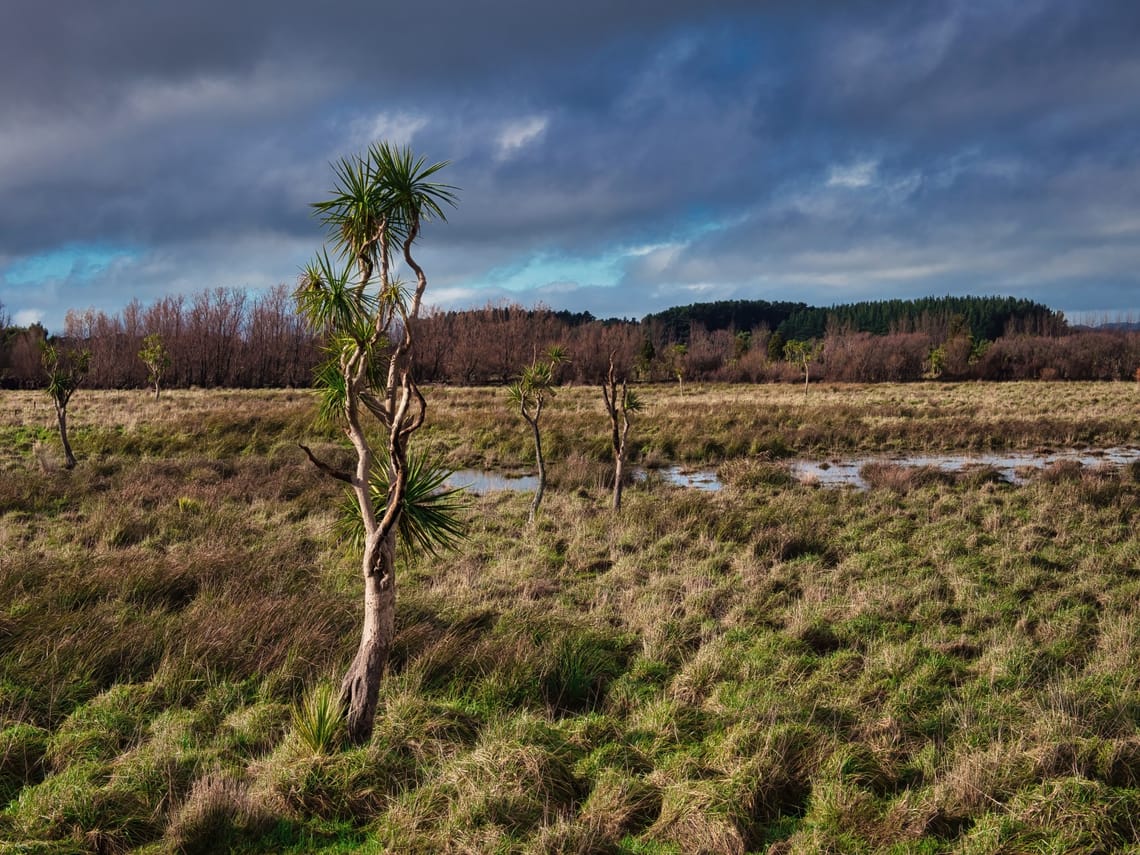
{"points": [[989, 143]]}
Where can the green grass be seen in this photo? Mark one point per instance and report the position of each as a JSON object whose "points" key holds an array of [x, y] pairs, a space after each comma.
{"points": [[937, 665]]}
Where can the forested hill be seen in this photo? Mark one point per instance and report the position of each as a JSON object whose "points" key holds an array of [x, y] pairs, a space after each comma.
{"points": [[723, 315], [984, 317]]}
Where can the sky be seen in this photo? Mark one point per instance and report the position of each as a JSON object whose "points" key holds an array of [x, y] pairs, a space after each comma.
{"points": [[612, 157]]}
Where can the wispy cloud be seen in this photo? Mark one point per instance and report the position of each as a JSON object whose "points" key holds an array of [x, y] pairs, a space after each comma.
{"points": [[396, 128], [854, 175], [520, 133]]}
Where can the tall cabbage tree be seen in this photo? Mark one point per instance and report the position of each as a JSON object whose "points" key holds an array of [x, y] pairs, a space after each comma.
{"points": [[374, 215]]}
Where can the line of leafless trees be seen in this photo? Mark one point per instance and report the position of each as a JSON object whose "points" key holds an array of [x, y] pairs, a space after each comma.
{"points": [[229, 337], [221, 337]]}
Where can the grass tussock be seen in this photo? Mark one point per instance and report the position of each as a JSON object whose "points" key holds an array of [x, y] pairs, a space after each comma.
{"points": [[939, 664], [901, 478], [318, 721], [218, 812]]}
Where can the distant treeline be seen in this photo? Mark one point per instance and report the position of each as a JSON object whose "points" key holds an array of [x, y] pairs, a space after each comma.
{"points": [[221, 337], [226, 337], [982, 317]]}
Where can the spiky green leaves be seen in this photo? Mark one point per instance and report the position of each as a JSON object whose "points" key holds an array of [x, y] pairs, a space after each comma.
{"points": [[65, 368], [355, 211], [632, 402], [381, 198], [404, 182], [431, 514], [332, 391], [536, 383], [329, 300], [319, 720]]}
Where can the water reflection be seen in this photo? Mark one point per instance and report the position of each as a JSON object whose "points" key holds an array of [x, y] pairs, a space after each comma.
{"points": [[482, 481], [485, 481], [684, 476], [1012, 466]]}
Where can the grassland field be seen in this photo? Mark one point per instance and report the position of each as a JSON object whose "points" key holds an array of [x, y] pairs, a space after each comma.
{"points": [[942, 664]]}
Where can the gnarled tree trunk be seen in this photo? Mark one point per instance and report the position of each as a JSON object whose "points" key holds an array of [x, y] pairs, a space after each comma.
{"points": [[619, 474], [361, 685]]}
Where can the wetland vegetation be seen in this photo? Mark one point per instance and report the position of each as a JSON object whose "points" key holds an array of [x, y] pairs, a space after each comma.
{"points": [[939, 664]]}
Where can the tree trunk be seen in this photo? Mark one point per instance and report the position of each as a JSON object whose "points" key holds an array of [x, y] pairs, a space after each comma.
{"points": [[615, 407], [61, 416], [541, 471], [619, 465], [361, 685]]}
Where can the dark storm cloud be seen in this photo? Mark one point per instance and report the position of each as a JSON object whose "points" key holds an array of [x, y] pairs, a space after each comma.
{"points": [[820, 151], [86, 49]]}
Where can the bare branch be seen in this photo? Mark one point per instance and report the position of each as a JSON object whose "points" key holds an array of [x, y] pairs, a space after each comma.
{"points": [[324, 467]]}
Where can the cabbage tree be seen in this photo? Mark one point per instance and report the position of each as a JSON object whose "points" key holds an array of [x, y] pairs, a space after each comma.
{"points": [[529, 395], [65, 367], [156, 358], [620, 402], [350, 295]]}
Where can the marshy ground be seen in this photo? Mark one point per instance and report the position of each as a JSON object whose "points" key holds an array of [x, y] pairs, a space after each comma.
{"points": [[940, 664]]}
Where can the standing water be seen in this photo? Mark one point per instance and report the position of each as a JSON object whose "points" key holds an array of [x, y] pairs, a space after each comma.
{"points": [[839, 472]]}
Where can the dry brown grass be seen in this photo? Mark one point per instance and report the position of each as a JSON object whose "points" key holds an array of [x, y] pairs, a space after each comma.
{"points": [[475, 426], [947, 666]]}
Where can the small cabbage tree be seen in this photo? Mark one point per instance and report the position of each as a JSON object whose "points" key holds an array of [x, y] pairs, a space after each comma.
{"points": [[156, 358], [374, 214], [65, 367], [804, 353], [678, 363], [529, 394], [620, 402]]}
